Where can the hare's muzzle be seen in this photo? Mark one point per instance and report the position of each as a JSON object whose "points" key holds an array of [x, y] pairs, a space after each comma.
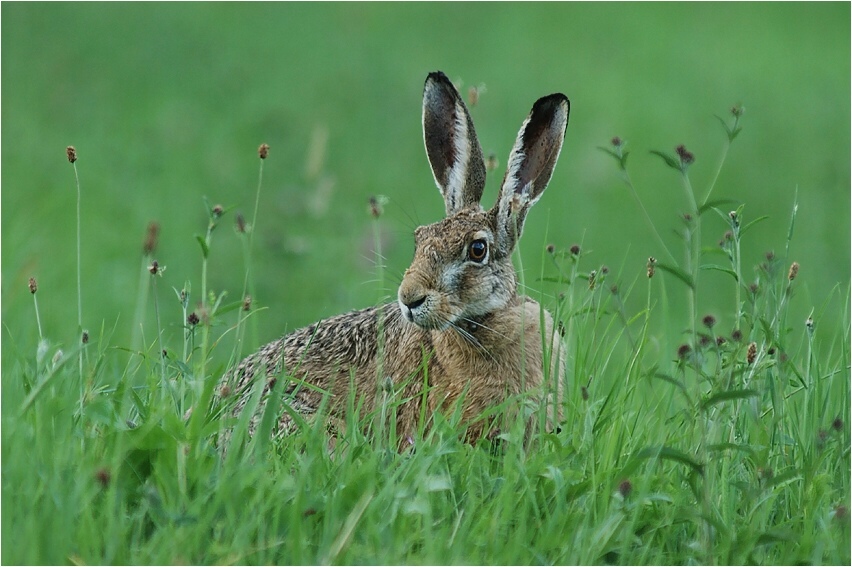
{"points": [[412, 303], [420, 305]]}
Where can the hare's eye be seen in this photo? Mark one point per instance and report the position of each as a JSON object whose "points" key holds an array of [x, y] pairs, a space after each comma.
{"points": [[478, 250]]}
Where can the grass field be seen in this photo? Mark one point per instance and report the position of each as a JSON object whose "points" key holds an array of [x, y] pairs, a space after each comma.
{"points": [[707, 410]]}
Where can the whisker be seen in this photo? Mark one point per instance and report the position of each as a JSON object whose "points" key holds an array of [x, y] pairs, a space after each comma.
{"points": [[414, 221], [467, 337], [472, 340], [486, 327]]}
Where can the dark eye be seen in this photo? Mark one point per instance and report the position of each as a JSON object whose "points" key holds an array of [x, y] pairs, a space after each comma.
{"points": [[478, 250]]}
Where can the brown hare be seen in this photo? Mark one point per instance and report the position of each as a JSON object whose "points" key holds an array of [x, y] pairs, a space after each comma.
{"points": [[459, 332]]}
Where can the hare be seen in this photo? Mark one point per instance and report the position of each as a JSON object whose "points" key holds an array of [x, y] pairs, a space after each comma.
{"points": [[459, 332]]}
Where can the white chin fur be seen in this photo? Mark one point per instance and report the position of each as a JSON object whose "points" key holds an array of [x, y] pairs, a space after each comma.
{"points": [[406, 312], [420, 317]]}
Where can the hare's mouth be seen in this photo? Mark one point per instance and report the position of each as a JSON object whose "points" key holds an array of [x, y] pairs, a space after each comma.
{"points": [[423, 311]]}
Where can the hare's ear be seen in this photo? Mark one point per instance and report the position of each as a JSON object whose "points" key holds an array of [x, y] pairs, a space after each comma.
{"points": [[451, 144], [530, 166]]}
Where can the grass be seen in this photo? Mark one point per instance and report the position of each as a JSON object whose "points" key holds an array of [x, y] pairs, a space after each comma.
{"points": [[721, 447], [676, 447]]}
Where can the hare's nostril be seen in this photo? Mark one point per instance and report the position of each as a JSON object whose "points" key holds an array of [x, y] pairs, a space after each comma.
{"points": [[415, 303]]}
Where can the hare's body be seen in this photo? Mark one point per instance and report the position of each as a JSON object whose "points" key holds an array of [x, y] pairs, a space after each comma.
{"points": [[459, 332], [448, 364]]}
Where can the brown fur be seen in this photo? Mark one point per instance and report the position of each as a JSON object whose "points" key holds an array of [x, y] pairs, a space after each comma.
{"points": [[335, 354], [459, 332]]}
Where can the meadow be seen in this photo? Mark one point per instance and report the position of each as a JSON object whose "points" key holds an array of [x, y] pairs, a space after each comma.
{"points": [[707, 407]]}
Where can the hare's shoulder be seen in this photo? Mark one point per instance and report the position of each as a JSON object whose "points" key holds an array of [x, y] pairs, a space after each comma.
{"points": [[523, 315]]}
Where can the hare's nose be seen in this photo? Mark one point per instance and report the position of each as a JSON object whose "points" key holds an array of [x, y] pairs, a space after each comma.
{"points": [[413, 304]]}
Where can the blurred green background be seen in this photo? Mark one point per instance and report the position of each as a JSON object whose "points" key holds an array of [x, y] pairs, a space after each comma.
{"points": [[167, 103]]}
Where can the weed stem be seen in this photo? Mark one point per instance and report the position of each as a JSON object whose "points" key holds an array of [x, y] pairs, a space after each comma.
{"points": [[693, 251], [718, 171], [162, 351], [629, 182], [38, 319], [79, 285]]}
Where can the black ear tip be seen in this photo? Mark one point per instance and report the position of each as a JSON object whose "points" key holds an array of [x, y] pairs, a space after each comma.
{"points": [[440, 80], [436, 76], [551, 103]]}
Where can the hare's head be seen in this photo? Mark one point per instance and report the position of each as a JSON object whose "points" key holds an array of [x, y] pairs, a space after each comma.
{"points": [[462, 268]]}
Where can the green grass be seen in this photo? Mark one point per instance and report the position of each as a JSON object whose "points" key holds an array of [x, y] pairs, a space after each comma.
{"points": [[724, 450], [675, 447]]}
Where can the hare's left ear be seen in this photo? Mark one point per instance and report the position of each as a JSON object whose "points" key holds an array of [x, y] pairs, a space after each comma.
{"points": [[531, 164], [451, 144]]}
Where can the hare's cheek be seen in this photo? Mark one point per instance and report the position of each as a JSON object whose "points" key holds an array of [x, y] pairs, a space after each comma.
{"points": [[453, 277], [492, 300], [477, 280], [488, 292]]}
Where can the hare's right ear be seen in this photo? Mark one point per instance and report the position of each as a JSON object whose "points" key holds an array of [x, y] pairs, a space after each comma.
{"points": [[531, 164], [451, 144]]}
